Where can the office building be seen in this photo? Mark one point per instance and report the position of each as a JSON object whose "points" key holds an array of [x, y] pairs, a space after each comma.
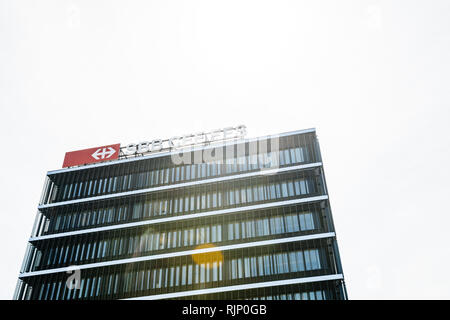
{"points": [[255, 223]]}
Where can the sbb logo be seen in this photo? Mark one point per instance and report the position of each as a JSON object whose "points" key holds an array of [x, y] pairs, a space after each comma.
{"points": [[256, 309]]}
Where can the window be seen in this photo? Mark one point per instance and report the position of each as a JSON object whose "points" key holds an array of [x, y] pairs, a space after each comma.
{"points": [[306, 221], [312, 259]]}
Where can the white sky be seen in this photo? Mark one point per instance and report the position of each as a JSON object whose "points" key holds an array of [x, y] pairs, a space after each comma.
{"points": [[371, 76]]}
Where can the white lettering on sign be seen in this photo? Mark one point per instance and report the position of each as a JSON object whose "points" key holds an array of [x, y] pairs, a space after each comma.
{"points": [[185, 140], [103, 153]]}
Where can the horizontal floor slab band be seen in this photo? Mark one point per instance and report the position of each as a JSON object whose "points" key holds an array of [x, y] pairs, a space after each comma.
{"points": [[178, 254], [182, 185], [240, 287], [178, 218]]}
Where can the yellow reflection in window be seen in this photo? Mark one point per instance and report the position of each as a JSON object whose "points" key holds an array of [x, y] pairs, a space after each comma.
{"points": [[207, 258]]}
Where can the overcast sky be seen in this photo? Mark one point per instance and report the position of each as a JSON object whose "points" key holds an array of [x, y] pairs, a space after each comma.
{"points": [[373, 77]]}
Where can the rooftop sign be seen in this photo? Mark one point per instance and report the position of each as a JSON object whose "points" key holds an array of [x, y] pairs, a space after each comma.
{"points": [[92, 155], [113, 152], [180, 142]]}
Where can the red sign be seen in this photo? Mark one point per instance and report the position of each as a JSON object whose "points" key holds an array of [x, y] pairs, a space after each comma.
{"points": [[92, 155]]}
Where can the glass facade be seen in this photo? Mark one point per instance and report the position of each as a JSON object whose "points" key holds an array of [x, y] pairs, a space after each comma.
{"points": [[224, 229]]}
